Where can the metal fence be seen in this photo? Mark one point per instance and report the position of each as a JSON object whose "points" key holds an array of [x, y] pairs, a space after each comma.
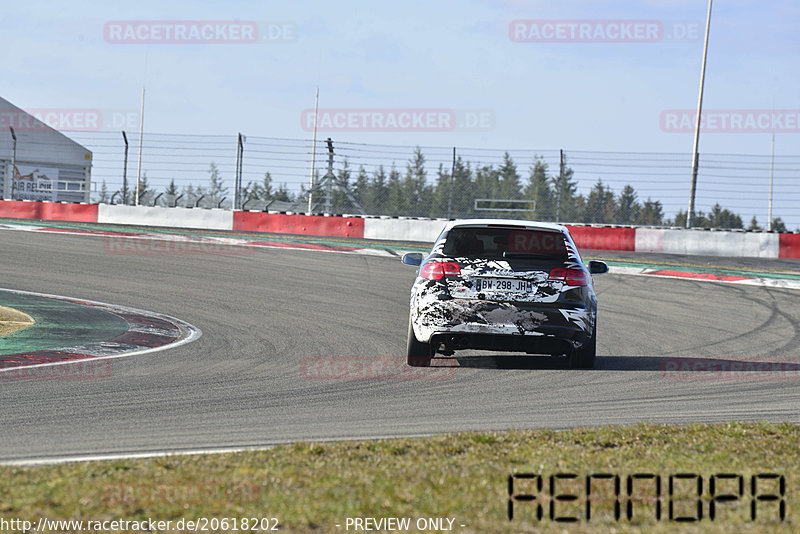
{"points": [[435, 181]]}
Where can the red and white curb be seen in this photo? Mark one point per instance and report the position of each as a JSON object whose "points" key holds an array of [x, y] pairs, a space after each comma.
{"points": [[164, 331]]}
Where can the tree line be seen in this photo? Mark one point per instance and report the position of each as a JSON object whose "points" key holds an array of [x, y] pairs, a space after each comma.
{"points": [[541, 194], [215, 194]]}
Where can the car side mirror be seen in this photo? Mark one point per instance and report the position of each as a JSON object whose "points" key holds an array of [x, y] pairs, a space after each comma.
{"points": [[412, 258], [598, 267]]}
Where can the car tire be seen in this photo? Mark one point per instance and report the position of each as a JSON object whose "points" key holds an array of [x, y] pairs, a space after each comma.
{"points": [[583, 358], [418, 354]]}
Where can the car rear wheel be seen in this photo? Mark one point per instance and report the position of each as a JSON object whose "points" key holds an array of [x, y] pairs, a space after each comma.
{"points": [[583, 358], [418, 354]]}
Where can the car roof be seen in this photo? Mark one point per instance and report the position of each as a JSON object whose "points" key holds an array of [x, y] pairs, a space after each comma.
{"points": [[511, 222]]}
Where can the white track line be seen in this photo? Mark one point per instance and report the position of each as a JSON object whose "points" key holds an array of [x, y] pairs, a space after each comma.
{"points": [[780, 283], [211, 450]]}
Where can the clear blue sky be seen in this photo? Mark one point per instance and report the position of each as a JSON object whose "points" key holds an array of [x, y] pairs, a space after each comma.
{"points": [[451, 55]]}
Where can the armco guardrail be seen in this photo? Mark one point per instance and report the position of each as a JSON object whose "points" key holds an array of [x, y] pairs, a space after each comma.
{"points": [[664, 240]]}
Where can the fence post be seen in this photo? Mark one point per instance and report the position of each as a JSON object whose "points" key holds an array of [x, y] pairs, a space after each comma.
{"points": [[560, 185], [125, 171], [8, 183], [237, 181], [452, 184]]}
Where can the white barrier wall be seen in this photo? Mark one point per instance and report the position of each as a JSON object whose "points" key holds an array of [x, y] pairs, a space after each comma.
{"points": [[708, 243], [213, 219], [668, 241], [404, 229]]}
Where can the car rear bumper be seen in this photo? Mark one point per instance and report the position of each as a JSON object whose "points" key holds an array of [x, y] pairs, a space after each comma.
{"points": [[543, 344], [478, 323]]}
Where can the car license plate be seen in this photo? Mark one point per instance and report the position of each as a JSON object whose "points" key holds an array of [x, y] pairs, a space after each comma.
{"points": [[513, 285]]}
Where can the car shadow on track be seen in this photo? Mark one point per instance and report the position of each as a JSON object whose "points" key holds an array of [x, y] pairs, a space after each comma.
{"points": [[679, 367]]}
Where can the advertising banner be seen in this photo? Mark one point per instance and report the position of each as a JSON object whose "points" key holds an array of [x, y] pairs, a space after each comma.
{"points": [[35, 183]]}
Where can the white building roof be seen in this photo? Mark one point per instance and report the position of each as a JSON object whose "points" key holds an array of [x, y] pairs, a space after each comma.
{"points": [[36, 141]]}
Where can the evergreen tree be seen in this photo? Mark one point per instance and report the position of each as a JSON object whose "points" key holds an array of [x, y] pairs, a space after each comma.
{"points": [[145, 193], [441, 193], [753, 226], [462, 194], [265, 191], [578, 207], [171, 192], [486, 185], [125, 194], [779, 226], [378, 192], [723, 218], [339, 201], [216, 187], [361, 189], [627, 206], [699, 221], [394, 195], [283, 194], [103, 194], [600, 205], [509, 183], [538, 190], [463, 190], [189, 196], [652, 213], [417, 194], [250, 192], [564, 187], [200, 197]]}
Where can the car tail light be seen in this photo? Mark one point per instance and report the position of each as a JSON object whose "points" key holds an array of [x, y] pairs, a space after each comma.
{"points": [[436, 270], [572, 277]]}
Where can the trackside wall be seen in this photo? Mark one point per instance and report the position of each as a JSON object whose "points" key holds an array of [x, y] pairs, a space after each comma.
{"points": [[662, 240], [214, 219]]}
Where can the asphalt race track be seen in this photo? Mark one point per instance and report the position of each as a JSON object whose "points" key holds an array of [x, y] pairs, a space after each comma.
{"points": [[265, 313]]}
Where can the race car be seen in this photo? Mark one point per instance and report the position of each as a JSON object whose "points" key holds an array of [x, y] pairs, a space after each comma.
{"points": [[503, 285]]}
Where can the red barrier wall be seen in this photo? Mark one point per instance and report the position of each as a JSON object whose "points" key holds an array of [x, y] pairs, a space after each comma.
{"points": [[604, 238], [50, 211], [789, 246], [298, 224]]}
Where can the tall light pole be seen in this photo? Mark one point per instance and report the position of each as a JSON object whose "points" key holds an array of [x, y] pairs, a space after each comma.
{"points": [[695, 155], [313, 154], [139, 164], [771, 168]]}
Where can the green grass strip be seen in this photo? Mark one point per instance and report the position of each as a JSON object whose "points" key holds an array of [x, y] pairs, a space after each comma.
{"points": [[311, 487]]}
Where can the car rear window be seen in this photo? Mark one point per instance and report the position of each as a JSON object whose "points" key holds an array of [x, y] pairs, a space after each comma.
{"points": [[494, 242]]}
